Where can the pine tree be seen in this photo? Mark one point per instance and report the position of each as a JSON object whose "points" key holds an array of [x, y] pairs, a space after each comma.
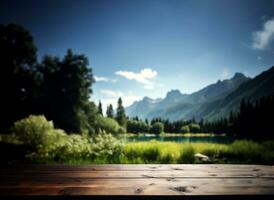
{"points": [[100, 109], [146, 121], [110, 111], [120, 113]]}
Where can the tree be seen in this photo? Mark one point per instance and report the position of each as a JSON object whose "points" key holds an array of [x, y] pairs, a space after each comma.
{"points": [[157, 128], [106, 124], [65, 90], [120, 114], [194, 128], [146, 121], [17, 65], [100, 109], [185, 129], [137, 126], [110, 111]]}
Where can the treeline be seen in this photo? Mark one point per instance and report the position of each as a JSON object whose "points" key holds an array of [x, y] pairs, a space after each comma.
{"points": [[58, 88], [159, 125], [254, 120]]}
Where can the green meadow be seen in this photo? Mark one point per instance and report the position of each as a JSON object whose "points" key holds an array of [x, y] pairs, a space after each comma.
{"points": [[240, 151]]}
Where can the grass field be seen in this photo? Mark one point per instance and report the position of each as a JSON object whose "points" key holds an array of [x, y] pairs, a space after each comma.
{"points": [[241, 151]]}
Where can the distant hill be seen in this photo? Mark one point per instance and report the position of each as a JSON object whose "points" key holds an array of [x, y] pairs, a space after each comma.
{"points": [[261, 85], [211, 102]]}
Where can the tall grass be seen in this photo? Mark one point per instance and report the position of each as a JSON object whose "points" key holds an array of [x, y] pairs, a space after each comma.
{"points": [[187, 154], [240, 151]]}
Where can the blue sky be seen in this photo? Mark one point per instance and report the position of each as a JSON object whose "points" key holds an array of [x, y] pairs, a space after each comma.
{"points": [[143, 48]]}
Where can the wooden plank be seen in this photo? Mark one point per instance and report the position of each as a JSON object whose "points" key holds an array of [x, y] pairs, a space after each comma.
{"points": [[138, 180], [145, 187], [141, 174], [140, 171]]}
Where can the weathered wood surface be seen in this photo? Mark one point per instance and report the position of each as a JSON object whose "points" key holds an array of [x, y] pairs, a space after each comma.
{"points": [[137, 180]]}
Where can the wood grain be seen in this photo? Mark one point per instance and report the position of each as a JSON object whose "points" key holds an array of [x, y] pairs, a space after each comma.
{"points": [[137, 180]]}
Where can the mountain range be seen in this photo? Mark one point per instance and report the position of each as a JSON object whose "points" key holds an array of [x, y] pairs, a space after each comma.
{"points": [[210, 103]]}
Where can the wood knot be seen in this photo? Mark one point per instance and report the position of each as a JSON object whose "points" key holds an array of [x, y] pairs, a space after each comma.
{"points": [[138, 190], [181, 189], [170, 179]]}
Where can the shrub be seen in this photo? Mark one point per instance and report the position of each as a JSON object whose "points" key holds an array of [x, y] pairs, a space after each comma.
{"points": [[107, 125], [33, 131], [157, 128], [187, 155], [185, 129], [64, 149], [47, 144], [194, 128], [106, 146], [121, 130]]}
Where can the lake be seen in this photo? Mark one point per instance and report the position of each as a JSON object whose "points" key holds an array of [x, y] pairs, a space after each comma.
{"points": [[221, 139]]}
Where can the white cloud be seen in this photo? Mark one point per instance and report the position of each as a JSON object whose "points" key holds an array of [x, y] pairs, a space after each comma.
{"points": [[104, 79], [225, 73], [99, 78], [145, 76], [262, 38]]}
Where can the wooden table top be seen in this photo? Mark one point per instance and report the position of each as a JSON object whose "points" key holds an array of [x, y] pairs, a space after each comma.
{"points": [[189, 180]]}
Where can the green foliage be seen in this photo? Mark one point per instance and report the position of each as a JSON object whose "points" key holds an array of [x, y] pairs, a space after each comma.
{"points": [[58, 88], [187, 155], [134, 126], [241, 151], [88, 118], [102, 148], [120, 114], [157, 128], [110, 111], [149, 152], [17, 61], [107, 147], [167, 158], [34, 131], [194, 128], [122, 130], [246, 151], [185, 129], [151, 155], [107, 125], [65, 88], [49, 145], [65, 149], [100, 109]]}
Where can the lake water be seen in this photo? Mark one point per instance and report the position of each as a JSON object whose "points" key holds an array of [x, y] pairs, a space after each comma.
{"points": [[181, 139]]}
